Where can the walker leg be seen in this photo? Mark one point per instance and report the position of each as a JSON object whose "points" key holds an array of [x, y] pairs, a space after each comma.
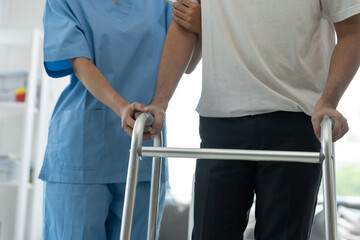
{"points": [[154, 192], [330, 203], [132, 176]]}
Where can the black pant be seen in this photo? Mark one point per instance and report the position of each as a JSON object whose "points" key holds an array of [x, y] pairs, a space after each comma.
{"points": [[286, 193]]}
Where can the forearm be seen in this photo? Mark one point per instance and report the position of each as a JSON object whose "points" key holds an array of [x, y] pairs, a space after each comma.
{"points": [[343, 66], [95, 82], [175, 56]]}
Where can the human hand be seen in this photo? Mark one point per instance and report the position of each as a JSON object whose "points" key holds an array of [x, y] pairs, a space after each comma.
{"points": [[188, 15], [128, 114], [340, 125], [159, 115]]}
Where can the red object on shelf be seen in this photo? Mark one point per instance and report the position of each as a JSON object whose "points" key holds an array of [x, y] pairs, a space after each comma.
{"points": [[20, 95], [20, 98]]}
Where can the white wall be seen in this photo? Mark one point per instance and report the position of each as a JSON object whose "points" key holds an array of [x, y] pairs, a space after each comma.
{"points": [[19, 14], [22, 13]]}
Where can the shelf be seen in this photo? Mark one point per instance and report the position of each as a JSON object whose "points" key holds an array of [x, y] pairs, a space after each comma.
{"points": [[14, 184], [14, 107], [15, 37]]}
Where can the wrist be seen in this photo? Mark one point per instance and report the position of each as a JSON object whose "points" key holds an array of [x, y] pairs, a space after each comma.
{"points": [[118, 104], [161, 103], [326, 102]]}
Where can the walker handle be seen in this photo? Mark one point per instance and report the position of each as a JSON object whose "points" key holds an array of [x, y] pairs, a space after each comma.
{"points": [[150, 120]]}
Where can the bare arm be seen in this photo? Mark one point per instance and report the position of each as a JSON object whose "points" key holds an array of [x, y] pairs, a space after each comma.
{"points": [[188, 15], [175, 56], [196, 57], [100, 88], [343, 66]]}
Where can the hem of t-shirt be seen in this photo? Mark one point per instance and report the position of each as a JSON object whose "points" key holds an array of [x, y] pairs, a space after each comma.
{"points": [[345, 14], [229, 115], [211, 114]]}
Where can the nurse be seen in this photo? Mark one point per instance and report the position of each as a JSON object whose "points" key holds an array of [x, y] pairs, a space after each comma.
{"points": [[112, 50]]}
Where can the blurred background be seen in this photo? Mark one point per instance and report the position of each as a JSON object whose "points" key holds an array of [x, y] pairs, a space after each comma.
{"points": [[23, 132]]}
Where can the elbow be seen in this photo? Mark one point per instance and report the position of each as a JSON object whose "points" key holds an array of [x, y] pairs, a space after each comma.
{"points": [[189, 71], [80, 64]]}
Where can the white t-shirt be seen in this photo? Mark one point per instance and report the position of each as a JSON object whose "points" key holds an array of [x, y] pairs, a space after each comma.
{"points": [[266, 56]]}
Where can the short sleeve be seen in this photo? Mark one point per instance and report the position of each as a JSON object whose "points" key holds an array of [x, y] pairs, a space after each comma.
{"points": [[64, 38], [168, 12], [338, 10]]}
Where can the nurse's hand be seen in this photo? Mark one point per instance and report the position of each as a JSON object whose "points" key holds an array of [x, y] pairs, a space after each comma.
{"points": [[188, 15], [128, 113]]}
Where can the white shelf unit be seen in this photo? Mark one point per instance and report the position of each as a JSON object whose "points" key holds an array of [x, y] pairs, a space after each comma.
{"points": [[12, 106], [14, 184], [15, 107], [32, 39]]}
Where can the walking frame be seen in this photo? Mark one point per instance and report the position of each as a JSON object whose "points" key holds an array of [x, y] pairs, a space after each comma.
{"points": [[325, 157]]}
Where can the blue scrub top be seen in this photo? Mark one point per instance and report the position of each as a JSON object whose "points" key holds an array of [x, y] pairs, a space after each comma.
{"points": [[86, 143]]}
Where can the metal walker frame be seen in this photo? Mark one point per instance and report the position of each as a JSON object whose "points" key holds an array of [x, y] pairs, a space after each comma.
{"points": [[326, 157]]}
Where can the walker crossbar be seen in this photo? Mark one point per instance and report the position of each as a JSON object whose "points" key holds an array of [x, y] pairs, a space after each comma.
{"points": [[326, 156], [232, 154]]}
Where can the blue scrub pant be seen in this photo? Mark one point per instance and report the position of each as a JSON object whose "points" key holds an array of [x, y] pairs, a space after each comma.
{"points": [[94, 211], [286, 193]]}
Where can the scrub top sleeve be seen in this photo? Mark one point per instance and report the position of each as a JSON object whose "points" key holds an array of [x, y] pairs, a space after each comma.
{"points": [[168, 16], [64, 38]]}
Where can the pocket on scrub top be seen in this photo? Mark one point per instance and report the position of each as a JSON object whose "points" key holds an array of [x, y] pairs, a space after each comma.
{"points": [[81, 139]]}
